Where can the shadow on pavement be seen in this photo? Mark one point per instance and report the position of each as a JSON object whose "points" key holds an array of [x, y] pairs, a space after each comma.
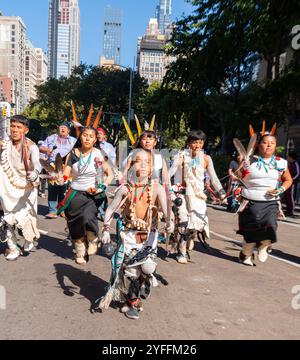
{"points": [[56, 246], [43, 210], [214, 252], [84, 283], [282, 255]]}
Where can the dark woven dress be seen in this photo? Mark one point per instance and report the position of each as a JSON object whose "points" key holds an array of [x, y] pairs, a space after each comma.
{"points": [[258, 221], [81, 212]]}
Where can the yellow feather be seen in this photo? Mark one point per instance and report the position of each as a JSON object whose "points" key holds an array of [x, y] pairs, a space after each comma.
{"points": [[151, 128], [129, 132], [138, 125]]}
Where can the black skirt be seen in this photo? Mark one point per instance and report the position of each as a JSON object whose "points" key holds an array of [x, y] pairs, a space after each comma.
{"points": [[258, 221], [82, 213]]}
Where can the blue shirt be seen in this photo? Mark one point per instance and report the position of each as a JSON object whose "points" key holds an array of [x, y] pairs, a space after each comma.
{"points": [[63, 145]]}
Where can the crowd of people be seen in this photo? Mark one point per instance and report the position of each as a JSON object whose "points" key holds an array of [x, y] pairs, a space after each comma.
{"points": [[148, 193]]}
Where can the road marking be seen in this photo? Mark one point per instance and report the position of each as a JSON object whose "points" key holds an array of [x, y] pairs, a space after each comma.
{"points": [[289, 224], [43, 232], [241, 243]]}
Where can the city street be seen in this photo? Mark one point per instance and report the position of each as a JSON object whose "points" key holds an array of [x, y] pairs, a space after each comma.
{"points": [[48, 296]]}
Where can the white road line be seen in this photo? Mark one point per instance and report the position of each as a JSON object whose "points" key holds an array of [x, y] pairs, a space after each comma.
{"points": [[240, 243], [289, 224]]}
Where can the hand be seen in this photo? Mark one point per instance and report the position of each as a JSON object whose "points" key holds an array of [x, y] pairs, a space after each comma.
{"points": [[276, 192], [170, 228], [53, 176], [49, 151], [33, 176], [105, 239], [1, 144], [201, 195]]}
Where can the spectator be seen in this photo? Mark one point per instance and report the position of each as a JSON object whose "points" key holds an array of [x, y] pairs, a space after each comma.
{"points": [[291, 193], [61, 143]]}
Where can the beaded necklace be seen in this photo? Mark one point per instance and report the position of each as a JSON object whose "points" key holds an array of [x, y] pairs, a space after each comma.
{"points": [[271, 165], [83, 165], [136, 223]]}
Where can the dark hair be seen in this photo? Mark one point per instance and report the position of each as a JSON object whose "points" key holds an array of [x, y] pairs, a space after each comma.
{"points": [[20, 119], [145, 132], [293, 155], [261, 137], [195, 135], [78, 143]]}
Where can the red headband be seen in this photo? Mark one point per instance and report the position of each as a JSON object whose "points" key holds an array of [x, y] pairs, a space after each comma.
{"points": [[101, 130]]}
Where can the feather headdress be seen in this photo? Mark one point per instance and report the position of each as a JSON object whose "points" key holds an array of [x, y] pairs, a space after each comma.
{"points": [[131, 136]]}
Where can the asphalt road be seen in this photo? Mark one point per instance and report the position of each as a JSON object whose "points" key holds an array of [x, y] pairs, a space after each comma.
{"points": [[48, 296]]}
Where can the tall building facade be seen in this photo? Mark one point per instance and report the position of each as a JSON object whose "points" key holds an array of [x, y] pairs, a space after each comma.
{"points": [[63, 37], [164, 14], [6, 89], [112, 37], [41, 67], [12, 57], [152, 59], [30, 71]]}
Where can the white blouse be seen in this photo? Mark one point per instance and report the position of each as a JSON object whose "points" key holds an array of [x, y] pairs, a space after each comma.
{"points": [[261, 176], [87, 172]]}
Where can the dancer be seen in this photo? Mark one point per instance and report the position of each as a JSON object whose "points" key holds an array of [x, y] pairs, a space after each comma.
{"points": [[19, 180], [134, 261], [87, 167], [191, 210], [265, 177]]}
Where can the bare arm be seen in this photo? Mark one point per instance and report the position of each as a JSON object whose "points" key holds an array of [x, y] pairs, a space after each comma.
{"points": [[287, 180], [114, 206], [212, 174]]}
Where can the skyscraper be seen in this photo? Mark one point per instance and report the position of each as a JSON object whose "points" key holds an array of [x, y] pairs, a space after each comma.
{"points": [[112, 34], [63, 37], [12, 57], [152, 59], [163, 13]]}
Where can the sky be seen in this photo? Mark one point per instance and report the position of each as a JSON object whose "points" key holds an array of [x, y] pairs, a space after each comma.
{"points": [[136, 15]]}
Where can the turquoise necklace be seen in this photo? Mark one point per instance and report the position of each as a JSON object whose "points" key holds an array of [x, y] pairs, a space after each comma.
{"points": [[83, 165]]}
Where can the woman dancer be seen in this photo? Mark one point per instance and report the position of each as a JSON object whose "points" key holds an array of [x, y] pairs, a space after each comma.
{"points": [[265, 177], [87, 167]]}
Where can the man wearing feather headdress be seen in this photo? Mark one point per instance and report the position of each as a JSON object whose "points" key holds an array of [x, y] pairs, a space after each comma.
{"points": [[19, 175]]}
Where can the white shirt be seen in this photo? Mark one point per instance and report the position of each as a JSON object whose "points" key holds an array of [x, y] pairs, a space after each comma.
{"points": [[109, 150], [264, 174], [85, 173]]}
